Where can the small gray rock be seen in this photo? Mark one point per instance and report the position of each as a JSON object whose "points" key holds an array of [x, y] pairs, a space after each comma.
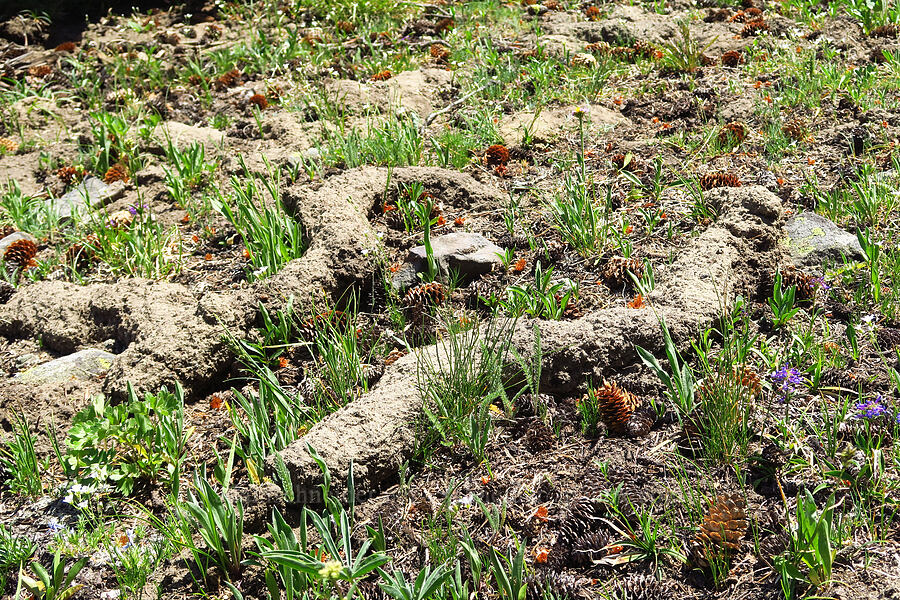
{"points": [[814, 242], [81, 365], [91, 192], [468, 254]]}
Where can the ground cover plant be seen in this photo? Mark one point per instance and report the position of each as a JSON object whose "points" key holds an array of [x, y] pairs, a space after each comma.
{"points": [[464, 299]]}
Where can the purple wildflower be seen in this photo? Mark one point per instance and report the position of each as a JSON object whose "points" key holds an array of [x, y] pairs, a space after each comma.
{"points": [[871, 409], [821, 284], [788, 380], [133, 209]]}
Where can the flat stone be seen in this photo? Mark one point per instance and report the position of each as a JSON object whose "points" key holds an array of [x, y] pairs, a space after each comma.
{"points": [[814, 242], [82, 365], [15, 237], [466, 254], [90, 193]]}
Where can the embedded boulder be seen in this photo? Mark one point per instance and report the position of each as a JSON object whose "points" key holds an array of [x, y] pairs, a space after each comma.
{"points": [[814, 242]]}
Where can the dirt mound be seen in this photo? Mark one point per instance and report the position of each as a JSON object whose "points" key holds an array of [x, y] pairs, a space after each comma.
{"points": [[721, 263], [344, 248], [161, 332]]}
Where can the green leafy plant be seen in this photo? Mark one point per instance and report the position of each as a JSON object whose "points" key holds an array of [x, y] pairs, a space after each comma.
{"points": [[649, 540], [873, 13], [577, 218], [509, 573], [782, 303], [408, 201], [137, 439], [134, 560], [813, 545], [55, 584], [14, 551], [219, 522], [271, 236], [335, 559], [424, 586], [685, 53], [267, 422], [680, 383], [27, 213], [19, 459], [459, 380], [281, 578], [545, 298], [143, 248]]}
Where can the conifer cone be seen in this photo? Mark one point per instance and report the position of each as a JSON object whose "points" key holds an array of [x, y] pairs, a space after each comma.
{"points": [[588, 548], [837, 378], [616, 270], [639, 587], [539, 437], [599, 47], [259, 101], [117, 172], [645, 49], [592, 13], [227, 80], [733, 132], [82, 253], [689, 440], [890, 30], [310, 327], [439, 52], [717, 15], [716, 180], [9, 146], [748, 378], [121, 219], [747, 16], [381, 76], [582, 515], [6, 291], [754, 27], [641, 422], [623, 163], [888, 337], [722, 528], [563, 586], [615, 405], [432, 293], [496, 155], [732, 58], [794, 129], [67, 174], [807, 285], [21, 253]]}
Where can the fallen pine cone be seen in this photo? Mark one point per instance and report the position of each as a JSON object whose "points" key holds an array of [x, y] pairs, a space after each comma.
{"points": [[716, 180], [21, 253], [432, 293], [722, 528]]}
